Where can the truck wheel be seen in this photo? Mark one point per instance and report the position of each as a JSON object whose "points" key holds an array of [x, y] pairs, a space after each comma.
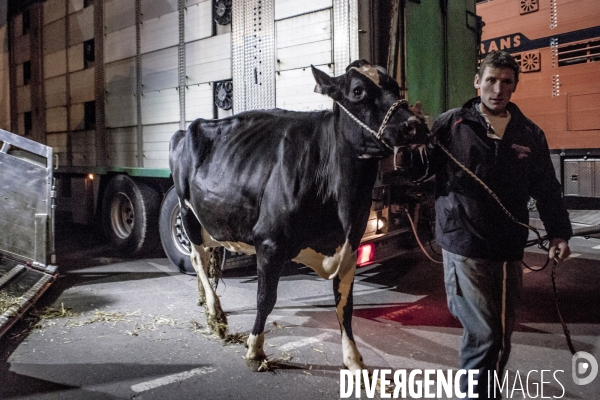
{"points": [[174, 240], [130, 215]]}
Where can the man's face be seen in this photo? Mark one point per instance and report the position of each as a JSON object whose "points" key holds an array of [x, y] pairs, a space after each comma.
{"points": [[496, 86]]}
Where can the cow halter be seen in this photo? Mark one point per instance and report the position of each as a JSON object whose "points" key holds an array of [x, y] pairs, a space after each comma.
{"points": [[378, 135]]}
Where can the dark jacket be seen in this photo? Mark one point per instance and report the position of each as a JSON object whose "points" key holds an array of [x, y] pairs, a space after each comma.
{"points": [[469, 221]]}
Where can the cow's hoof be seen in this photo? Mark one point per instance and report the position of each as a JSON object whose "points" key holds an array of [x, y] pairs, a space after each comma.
{"points": [[258, 365], [218, 326]]}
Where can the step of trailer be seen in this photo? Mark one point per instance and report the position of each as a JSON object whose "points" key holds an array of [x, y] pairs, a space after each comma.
{"points": [[20, 287]]}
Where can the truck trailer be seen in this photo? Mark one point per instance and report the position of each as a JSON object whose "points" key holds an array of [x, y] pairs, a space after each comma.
{"points": [[106, 83], [557, 43]]}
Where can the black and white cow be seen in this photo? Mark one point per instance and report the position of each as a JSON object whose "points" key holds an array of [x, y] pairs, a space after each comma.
{"points": [[290, 186]]}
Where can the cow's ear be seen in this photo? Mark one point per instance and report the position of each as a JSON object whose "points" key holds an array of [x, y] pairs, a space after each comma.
{"points": [[325, 83]]}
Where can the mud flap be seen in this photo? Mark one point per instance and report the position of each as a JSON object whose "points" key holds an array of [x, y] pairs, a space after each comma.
{"points": [[27, 197]]}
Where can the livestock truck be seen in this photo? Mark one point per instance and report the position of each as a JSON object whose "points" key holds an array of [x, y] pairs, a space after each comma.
{"points": [[557, 43], [106, 83]]}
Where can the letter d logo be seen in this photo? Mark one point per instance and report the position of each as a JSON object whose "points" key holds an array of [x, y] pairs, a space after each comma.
{"points": [[584, 364]]}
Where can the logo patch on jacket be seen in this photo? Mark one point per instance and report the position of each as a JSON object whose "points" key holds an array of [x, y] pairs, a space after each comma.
{"points": [[522, 151]]}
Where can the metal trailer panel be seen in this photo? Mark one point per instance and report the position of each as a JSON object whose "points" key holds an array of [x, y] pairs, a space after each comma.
{"points": [[596, 178], [120, 77], [77, 117], [24, 98], [161, 106], [295, 90], [198, 21], [208, 60], [56, 119], [189, 3], [81, 26], [156, 144], [83, 148], [54, 10], [55, 91], [199, 101], [253, 54], [75, 54], [54, 36], [290, 8], [159, 71], [26, 212], [120, 111], [345, 33], [159, 33], [22, 51], [58, 142], [82, 86], [586, 178], [55, 64], [120, 44], [118, 14], [571, 174], [152, 9], [121, 146], [75, 5], [313, 46]]}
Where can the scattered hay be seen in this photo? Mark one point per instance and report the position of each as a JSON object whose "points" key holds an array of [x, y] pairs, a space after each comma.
{"points": [[322, 352], [102, 316], [236, 338], [7, 302], [55, 313]]}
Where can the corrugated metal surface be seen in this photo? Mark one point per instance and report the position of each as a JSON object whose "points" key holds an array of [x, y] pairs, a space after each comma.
{"points": [[82, 86], [159, 71], [159, 33], [161, 106], [208, 60], [118, 14], [54, 10], [77, 117], [253, 55], [83, 148], [54, 36], [24, 54], [81, 26], [304, 40], [119, 44], [199, 101], [198, 21], [582, 177], [55, 64], [55, 90], [295, 90], [289, 8], [121, 111], [345, 31], [152, 9], [76, 57], [24, 98], [120, 77], [121, 147], [156, 144], [56, 119]]}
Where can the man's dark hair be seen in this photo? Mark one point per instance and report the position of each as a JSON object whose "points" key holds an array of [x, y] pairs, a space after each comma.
{"points": [[499, 59]]}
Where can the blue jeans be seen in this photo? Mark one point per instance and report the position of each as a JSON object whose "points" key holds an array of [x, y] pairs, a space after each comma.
{"points": [[483, 296]]}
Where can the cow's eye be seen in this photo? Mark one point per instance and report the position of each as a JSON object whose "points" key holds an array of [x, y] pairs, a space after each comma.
{"points": [[358, 91]]}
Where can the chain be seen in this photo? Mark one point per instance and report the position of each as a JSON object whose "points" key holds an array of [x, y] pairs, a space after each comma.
{"points": [[386, 119]]}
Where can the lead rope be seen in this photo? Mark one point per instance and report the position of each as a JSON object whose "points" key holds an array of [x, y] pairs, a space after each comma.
{"points": [[539, 239]]}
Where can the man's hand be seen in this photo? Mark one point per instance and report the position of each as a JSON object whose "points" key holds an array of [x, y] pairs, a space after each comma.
{"points": [[559, 249]]}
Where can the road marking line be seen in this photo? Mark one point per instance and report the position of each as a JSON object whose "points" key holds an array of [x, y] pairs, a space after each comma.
{"points": [[167, 380], [596, 247], [305, 342]]}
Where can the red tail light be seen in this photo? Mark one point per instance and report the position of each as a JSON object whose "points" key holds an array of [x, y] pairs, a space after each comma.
{"points": [[366, 254]]}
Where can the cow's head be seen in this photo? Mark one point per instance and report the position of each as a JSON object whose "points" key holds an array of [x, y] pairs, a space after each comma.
{"points": [[372, 115]]}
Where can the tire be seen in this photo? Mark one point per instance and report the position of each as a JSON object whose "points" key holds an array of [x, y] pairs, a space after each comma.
{"points": [[175, 242], [130, 216]]}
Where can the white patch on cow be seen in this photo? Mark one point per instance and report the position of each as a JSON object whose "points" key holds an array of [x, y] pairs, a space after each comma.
{"points": [[255, 347], [328, 267], [370, 72]]}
